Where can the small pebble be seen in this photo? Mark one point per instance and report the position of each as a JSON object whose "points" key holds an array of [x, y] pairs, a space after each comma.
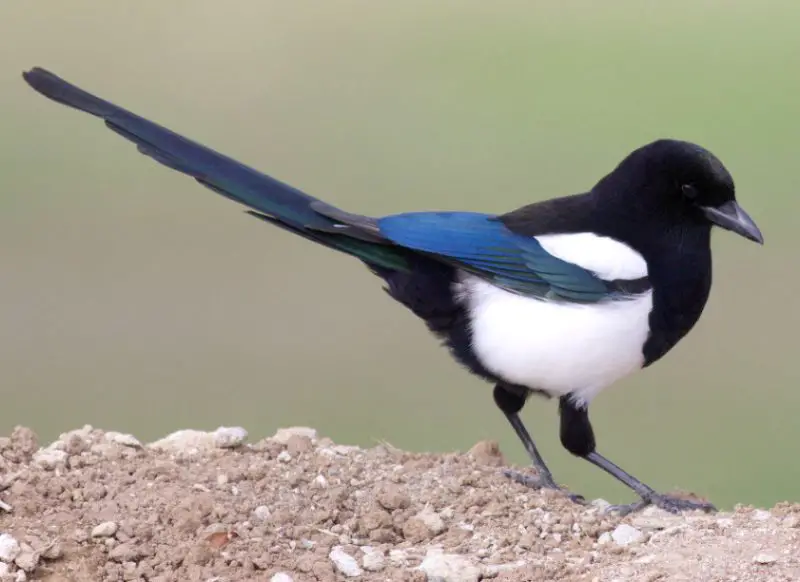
{"points": [[104, 530], [298, 444], [432, 521], [27, 559], [125, 440], [487, 453], [373, 560], [281, 577], [284, 434], [344, 562], [53, 551], [9, 548], [440, 567], [186, 442], [50, 458], [229, 437], [123, 553], [765, 558], [625, 535], [284, 457], [261, 513], [398, 558]]}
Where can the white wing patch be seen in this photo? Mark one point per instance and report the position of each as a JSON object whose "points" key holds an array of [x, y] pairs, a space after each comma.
{"points": [[609, 259]]}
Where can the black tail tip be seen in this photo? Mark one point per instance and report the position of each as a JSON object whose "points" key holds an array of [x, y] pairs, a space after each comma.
{"points": [[34, 72], [37, 77]]}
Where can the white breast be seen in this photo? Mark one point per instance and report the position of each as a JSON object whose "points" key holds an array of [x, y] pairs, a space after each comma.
{"points": [[559, 348], [562, 348]]}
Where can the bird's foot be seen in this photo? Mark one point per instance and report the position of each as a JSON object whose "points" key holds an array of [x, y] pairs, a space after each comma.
{"points": [[666, 502], [542, 481]]}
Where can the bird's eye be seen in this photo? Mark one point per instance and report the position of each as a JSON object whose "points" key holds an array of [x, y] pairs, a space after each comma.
{"points": [[689, 192]]}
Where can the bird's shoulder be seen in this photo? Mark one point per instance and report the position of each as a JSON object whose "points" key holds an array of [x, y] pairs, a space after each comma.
{"points": [[578, 230], [576, 213]]}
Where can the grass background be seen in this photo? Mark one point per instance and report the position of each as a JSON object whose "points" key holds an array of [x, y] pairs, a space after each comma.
{"points": [[135, 300]]}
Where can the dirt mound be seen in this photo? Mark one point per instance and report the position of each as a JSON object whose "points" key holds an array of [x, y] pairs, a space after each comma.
{"points": [[208, 507]]}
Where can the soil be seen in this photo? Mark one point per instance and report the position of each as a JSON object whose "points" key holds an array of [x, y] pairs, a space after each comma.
{"points": [[209, 507]]}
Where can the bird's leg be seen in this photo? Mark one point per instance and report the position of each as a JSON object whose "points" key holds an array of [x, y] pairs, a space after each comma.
{"points": [[577, 436], [511, 401]]}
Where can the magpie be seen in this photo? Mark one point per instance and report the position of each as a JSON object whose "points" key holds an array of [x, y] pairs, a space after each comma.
{"points": [[559, 298]]}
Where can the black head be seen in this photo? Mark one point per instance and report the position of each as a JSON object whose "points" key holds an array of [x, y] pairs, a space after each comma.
{"points": [[683, 181]]}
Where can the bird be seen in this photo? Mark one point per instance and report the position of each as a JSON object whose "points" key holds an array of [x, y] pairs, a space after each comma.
{"points": [[560, 298]]}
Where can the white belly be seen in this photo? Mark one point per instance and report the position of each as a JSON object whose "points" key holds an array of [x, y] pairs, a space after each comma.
{"points": [[559, 348]]}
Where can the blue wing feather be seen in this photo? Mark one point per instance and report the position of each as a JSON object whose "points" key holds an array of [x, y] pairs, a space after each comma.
{"points": [[479, 243]]}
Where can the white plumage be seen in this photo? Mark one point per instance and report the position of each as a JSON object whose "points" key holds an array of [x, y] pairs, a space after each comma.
{"points": [[560, 347], [609, 259]]}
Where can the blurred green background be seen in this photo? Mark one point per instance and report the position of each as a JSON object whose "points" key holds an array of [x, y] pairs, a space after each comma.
{"points": [[133, 299]]}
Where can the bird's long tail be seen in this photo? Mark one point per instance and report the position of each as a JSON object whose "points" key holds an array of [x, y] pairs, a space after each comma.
{"points": [[270, 199]]}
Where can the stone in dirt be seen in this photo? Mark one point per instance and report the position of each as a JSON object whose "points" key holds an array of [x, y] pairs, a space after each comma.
{"points": [[50, 458], [344, 562], [441, 567], [373, 559], [625, 535], [284, 435], [191, 442], [9, 548], [28, 559], [125, 440], [104, 530]]}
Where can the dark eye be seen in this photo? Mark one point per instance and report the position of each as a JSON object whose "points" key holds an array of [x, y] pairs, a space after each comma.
{"points": [[689, 192]]}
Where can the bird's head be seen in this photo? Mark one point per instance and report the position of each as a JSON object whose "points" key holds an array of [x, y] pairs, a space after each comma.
{"points": [[682, 179]]}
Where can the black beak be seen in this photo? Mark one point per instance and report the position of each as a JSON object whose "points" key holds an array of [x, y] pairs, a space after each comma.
{"points": [[730, 216]]}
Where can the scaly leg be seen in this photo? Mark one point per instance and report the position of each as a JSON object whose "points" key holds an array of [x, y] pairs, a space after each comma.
{"points": [[577, 436], [511, 401]]}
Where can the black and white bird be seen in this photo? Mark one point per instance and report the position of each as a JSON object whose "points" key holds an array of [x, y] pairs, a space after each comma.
{"points": [[560, 298]]}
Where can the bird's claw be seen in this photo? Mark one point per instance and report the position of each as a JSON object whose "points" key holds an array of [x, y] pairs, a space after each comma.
{"points": [[542, 482], [666, 502]]}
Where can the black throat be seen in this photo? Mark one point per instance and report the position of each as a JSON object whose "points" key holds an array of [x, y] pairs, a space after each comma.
{"points": [[680, 272]]}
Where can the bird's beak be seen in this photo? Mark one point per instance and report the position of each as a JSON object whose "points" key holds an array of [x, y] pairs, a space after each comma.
{"points": [[731, 216]]}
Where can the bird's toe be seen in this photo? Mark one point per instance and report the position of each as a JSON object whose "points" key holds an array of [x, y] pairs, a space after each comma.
{"points": [[679, 504], [541, 482], [666, 502], [627, 508]]}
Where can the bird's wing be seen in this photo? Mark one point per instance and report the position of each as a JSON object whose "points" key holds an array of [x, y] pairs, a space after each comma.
{"points": [[483, 245]]}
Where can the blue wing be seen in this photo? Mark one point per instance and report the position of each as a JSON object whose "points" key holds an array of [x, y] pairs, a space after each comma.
{"points": [[481, 244]]}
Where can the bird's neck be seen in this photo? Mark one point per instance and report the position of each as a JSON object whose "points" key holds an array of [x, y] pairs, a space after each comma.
{"points": [[680, 270]]}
